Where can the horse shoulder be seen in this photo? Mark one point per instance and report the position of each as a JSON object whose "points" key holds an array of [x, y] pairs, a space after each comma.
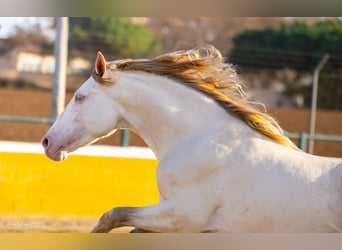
{"points": [[192, 175]]}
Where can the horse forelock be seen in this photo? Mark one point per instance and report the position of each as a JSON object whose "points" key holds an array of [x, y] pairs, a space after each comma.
{"points": [[203, 69]]}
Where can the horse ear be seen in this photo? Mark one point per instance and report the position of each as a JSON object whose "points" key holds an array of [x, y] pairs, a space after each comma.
{"points": [[100, 64]]}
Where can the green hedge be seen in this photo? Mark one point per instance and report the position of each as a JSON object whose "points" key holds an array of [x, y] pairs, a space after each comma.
{"points": [[298, 45]]}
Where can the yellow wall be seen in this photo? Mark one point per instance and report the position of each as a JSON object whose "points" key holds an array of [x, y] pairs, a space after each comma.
{"points": [[31, 184]]}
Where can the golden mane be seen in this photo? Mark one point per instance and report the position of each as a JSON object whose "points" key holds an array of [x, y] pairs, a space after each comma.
{"points": [[203, 69]]}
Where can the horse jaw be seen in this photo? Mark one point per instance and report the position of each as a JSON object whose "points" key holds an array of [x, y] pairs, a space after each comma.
{"points": [[57, 148]]}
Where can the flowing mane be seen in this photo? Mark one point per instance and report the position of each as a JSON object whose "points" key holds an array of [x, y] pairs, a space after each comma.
{"points": [[203, 69]]}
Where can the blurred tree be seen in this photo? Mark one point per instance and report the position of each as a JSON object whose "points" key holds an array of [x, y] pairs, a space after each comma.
{"points": [[329, 91], [299, 46], [32, 37], [115, 36]]}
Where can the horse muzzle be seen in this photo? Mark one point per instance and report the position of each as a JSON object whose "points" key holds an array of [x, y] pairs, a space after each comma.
{"points": [[53, 151]]}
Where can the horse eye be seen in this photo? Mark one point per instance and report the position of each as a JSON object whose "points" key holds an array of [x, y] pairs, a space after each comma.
{"points": [[79, 98]]}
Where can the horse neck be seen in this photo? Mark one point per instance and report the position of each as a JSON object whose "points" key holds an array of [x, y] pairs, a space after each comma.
{"points": [[165, 113]]}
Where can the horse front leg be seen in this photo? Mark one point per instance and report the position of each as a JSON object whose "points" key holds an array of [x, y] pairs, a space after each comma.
{"points": [[157, 218]]}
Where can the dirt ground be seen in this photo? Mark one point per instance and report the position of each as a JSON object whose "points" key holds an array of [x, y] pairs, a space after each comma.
{"points": [[38, 103], [48, 224]]}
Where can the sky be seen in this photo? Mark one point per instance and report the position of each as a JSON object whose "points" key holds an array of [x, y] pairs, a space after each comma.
{"points": [[7, 24]]}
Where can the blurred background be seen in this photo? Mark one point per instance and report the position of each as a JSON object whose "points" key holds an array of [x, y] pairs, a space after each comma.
{"points": [[278, 58]]}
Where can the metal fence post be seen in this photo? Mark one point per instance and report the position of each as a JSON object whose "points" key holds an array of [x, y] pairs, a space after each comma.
{"points": [[124, 138], [61, 55], [303, 141], [314, 99]]}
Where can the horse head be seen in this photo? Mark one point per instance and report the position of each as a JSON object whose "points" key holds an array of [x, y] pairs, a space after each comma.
{"points": [[86, 117]]}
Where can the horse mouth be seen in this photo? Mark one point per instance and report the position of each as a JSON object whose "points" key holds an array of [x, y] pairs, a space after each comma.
{"points": [[60, 156], [57, 155]]}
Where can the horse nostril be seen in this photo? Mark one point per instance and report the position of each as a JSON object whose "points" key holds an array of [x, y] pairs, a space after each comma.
{"points": [[45, 142]]}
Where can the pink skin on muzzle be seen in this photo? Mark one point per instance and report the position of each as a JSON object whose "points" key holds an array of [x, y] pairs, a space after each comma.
{"points": [[52, 150]]}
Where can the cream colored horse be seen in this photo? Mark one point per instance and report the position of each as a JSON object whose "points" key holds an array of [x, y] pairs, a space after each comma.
{"points": [[224, 165]]}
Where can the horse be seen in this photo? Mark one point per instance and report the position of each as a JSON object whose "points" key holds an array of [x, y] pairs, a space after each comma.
{"points": [[224, 164]]}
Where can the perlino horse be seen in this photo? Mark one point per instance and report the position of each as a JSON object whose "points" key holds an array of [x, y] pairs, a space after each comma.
{"points": [[223, 164]]}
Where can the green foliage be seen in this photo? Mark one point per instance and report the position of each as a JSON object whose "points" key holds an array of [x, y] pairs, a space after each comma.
{"points": [[32, 35], [115, 36], [298, 46], [329, 92]]}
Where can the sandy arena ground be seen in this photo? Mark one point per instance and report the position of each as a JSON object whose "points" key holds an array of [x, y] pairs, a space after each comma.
{"points": [[51, 225]]}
